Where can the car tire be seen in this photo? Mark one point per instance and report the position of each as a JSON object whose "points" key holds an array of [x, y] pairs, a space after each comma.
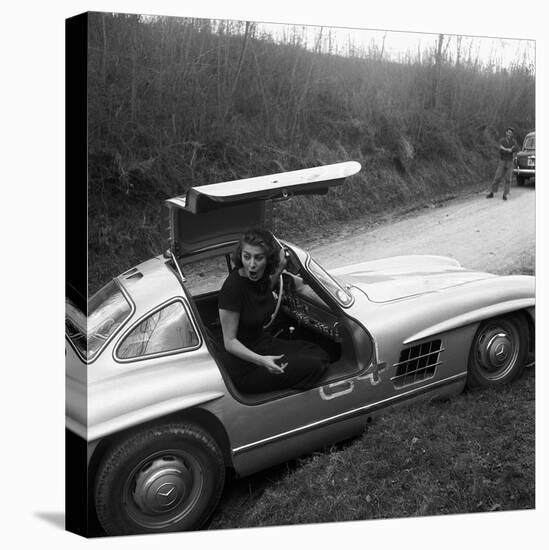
{"points": [[499, 351], [162, 479], [520, 181]]}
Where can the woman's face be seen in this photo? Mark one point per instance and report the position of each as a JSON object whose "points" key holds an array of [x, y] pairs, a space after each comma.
{"points": [[254, 261]]}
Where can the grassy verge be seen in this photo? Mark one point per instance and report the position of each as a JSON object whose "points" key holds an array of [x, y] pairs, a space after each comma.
{"points": [[474, 453]]}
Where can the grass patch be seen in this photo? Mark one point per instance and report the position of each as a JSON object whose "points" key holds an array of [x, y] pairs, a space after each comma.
{"points": [[473, 453]]}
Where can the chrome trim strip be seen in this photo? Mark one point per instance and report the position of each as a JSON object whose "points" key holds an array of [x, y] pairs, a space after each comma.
{"points": [[347, 414], [172, 255]]}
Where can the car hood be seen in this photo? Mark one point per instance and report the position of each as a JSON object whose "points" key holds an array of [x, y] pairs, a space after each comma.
{"points": [[406, 276]]}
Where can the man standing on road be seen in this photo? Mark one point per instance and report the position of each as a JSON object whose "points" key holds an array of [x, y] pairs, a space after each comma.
{"points": [[507, 146]]}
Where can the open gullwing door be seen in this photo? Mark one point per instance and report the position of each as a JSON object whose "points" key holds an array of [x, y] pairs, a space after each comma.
{"points": [[211, 218]]}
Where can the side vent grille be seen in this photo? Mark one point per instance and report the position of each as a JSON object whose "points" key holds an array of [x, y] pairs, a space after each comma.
{"points": [[417, 363]]}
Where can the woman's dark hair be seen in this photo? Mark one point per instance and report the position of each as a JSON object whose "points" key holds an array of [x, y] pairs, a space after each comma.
{"points": [[264, 239]]}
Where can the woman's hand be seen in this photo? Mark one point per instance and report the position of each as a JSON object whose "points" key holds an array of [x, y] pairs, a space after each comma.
{"points": [[282, 260], [269, 363]]}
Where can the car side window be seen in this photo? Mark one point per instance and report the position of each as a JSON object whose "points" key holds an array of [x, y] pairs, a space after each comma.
{"points": [[167, 330]]}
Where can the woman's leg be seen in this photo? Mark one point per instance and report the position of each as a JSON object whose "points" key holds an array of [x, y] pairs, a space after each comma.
{"points": [[305, 365]]}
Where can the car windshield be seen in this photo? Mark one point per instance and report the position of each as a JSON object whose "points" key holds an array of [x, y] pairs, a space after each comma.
{"points": [[530, 142], [107, 310], [335, 289]]}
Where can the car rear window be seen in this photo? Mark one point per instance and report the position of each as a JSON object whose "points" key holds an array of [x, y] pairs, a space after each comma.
{"points": [[108, 309], [166, 330]]}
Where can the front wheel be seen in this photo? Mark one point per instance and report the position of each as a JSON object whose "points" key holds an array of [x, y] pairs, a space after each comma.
{"points": [[162, 479], [499, 351]]}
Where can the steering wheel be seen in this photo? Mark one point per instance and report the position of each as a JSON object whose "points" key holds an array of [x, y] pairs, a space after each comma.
{"points": [[286, 285]]}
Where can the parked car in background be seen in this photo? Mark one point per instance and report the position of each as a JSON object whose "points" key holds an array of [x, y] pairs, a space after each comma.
{"points": [[524, 163], [148, 392]]}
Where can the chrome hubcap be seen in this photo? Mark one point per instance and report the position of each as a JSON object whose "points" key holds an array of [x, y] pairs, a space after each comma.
{"points": [[163, 489], [162, 485], [497, 351]]}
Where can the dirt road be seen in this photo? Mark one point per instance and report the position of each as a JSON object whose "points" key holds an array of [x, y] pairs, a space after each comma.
{"points": [[482, 234]]}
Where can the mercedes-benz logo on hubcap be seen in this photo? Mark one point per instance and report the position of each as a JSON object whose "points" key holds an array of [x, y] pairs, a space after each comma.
{"points": [[501, 351], [166, 494]]}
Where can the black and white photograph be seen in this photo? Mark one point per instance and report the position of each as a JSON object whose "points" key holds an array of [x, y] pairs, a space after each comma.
{"points": [[297, 257]]}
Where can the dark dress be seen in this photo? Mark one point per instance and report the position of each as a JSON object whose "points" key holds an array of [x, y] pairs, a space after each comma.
{"points": [[255, 303]]}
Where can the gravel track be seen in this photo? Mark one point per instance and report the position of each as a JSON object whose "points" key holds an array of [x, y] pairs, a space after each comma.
{"points": [[482, 234]]}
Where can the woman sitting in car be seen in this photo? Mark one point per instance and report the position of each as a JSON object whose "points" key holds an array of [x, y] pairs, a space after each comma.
{"points": [[256, 360]]}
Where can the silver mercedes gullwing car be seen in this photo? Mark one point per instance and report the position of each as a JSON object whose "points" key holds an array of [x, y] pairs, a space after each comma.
{"points": [[145, 382]]}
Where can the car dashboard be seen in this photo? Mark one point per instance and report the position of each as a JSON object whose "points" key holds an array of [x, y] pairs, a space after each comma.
{"points": [[308, 315]]}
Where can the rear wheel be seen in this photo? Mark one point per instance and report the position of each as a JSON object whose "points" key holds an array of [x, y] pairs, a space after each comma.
{"points": [[499, 351], [165, 478]]}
